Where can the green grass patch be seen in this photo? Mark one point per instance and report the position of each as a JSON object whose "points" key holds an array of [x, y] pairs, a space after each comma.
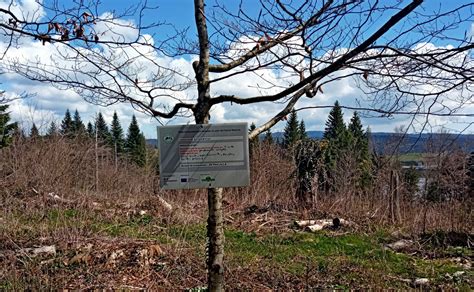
{"points": [[358, 253], [411, 157]]}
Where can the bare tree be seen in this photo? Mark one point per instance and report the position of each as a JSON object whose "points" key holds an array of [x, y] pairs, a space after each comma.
{"points": [[446, 167], [387, 46]]}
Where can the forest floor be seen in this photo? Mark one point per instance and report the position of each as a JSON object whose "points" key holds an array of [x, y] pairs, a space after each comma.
{"points": [[50, 242]]}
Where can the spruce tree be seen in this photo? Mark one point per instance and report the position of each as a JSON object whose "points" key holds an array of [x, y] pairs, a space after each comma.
{"points": [[34, 133], [66, 124], [338, 140], [360, 142], [116, 132], [268, 139], [90, 129], [302, 131], [78, 127], [254, 141], [360, 149], [18, 133], [103, 133], [335, 126], [141, 154], [291, 133], [135, 143], [52, 130], [7, 129], [367, 135], [355, 127]]}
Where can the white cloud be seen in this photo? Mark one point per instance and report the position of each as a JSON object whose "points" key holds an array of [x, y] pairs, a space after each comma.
{"points": [[109, 28], [26, 10], [153, 71]]}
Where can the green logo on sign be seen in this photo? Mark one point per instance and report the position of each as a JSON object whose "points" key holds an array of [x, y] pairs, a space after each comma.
{"points": [[207, 178], [168, 139]]}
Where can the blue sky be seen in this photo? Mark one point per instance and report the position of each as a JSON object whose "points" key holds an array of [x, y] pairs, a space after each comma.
{"points": [[51, 103]]}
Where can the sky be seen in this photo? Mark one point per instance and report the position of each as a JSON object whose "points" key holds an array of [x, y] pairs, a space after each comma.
{"points": [[47, 103]]}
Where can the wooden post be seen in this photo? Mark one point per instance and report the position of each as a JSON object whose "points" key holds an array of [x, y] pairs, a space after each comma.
{"points": [[397, 197], [394, 199]]}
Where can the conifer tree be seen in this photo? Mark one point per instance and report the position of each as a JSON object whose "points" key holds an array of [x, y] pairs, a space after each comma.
{"points": [[360, 149], [7, 129], [18, 133], [103, 133], [355, 127], [90, 129], [252, 142], [302, 131], [66, 124], [368, 134], [116, 133], [268, 139], [34, 133], [335, 126], [141, 154], [135, 143], [52, 130], [78, 127], [360, 137], [291, 133], [338, 140]]}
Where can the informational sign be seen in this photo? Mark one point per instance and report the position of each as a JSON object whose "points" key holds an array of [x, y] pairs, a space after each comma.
{"points": [[204, 156]]}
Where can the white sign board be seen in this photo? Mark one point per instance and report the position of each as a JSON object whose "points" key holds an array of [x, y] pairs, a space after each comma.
{"points": [[204, 156]]}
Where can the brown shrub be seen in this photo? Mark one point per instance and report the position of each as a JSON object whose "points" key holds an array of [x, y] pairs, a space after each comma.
{"points": [[67, 167]]}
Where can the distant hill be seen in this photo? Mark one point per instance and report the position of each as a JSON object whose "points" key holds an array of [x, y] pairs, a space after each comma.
{"points": [[385, 143]]}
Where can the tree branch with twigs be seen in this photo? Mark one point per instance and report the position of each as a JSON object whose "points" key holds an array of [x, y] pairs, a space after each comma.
{"points": [[404, 57]]}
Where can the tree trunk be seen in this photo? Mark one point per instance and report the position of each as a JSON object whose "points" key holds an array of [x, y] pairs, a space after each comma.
{"points": [[215, 234], [215, 228]]}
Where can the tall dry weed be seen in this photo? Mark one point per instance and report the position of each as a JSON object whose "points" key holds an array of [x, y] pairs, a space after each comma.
{"points": [[66, 168]]}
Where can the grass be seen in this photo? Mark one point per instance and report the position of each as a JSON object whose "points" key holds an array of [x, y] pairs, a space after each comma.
{"points": [[297, 250], [411, 157], [291, 258]]}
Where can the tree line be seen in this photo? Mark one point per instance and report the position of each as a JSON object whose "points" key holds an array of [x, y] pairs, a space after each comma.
{"points": [[132, 144], [342, 161]]}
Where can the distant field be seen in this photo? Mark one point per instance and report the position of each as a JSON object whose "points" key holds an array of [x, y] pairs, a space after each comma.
{"points": [[411, 157]]}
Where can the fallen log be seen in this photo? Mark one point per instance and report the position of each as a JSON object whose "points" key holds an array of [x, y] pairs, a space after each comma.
{"points": [[316, 225], [319, 225], [304, 223], [165, 204], [43, 250], [56, 198]]}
